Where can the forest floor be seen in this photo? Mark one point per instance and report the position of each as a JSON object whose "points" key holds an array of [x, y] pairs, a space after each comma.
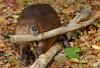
{"points": [[86, 39]]}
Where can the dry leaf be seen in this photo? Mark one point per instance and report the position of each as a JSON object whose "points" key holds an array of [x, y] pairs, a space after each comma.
{"points": [[96, 47], [2, 19], [11, 3]]}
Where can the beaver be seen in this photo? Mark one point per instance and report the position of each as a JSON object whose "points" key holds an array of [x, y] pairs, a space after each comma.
{"points": [[34, 19]]}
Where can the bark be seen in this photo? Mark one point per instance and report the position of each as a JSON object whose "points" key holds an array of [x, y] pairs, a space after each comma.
{"points": [[45, 58], [73, 25]]}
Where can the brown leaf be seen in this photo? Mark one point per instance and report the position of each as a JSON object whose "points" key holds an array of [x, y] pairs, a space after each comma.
{"points": [[11, 3]]}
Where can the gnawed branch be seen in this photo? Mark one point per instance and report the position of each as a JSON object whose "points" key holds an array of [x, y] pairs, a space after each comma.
{"points": [[45, 58], [61, 30]]}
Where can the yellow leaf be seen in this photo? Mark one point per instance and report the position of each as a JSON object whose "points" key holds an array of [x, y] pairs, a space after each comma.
{"points": [[2, 45], [74, 60], [3, 19], [96, 47], [77, 60], [15, 16]]}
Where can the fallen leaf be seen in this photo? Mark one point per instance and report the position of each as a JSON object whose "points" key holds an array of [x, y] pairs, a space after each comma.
{"points": [[2, 19], [11, 3], [2, 45], [77, 60], [15, 16], [96, 47]]}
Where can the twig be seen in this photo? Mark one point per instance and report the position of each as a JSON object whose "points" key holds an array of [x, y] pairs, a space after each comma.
{"points": [[61, 30], [45, 58]]}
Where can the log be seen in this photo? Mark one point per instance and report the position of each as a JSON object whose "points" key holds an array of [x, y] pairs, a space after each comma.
{"points": [[45, 58], [73, 25]]}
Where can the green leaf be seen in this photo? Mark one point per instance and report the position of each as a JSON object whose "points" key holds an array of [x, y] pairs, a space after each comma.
{"points": [[72, 52]]}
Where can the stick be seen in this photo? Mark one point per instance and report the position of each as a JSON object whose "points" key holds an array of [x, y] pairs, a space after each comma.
{"points": [[61, 30], [44, 59]]}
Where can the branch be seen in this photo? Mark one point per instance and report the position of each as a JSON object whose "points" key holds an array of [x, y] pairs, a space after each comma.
{"points": [[44, 59], [61, 30]]}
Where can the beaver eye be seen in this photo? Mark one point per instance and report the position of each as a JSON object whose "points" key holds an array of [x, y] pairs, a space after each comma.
{"points": [[34, 29]]}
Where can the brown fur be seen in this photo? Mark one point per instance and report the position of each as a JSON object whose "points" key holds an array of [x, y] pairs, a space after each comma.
{"points": [[44, 17]]}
